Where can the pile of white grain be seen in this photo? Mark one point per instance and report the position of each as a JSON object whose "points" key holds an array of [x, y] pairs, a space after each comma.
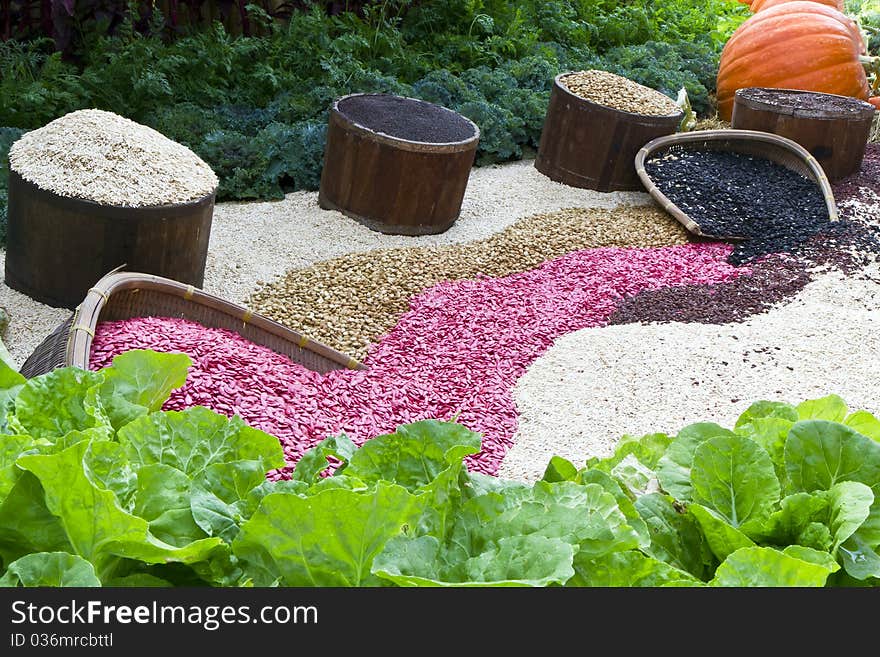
{"points": [[105, 158]]}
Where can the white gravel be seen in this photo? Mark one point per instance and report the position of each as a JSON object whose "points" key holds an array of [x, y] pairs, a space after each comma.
{"points": [[252, 242], [105, 158], [595, 385]]}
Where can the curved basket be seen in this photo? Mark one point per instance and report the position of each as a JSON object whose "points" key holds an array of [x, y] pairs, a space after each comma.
{"points": [[778, 149], [124, 295]]}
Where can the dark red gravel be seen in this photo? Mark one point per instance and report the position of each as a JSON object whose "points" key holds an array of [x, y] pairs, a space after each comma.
{"points": [[772, 279], [406, 118], [862, 185]]}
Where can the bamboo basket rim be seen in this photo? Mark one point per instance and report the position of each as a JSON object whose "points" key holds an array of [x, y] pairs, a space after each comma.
{"points": [[661, 118], [704, 136], [400, 142], [87, 315]]}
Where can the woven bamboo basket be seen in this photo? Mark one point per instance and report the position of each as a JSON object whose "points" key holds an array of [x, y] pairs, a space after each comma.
{"points": [[125, 295], [778, 149]]}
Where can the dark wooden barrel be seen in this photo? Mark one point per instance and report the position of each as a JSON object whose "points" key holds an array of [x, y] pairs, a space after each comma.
{"points": [[584, 144], [58, 247], [385, 166], [834, 129]]}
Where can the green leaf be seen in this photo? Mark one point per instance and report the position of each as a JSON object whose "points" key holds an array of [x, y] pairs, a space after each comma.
{"points": [[69, 393], [762, 566], [218, 500], [624, 503], [674, 467], [587, 516], [514, 561], [138, 580], [193, 439], [721, 537], [107, 467], [163, 500], [314, 461], [865, 423], [11, 447], [788, 524], [96, 526], [771, 434], [328, 539], [734, 476], [634, 460], [831, 408], [630, 569], [819, 557], [859, 559], [50, 569], [139, 382], [560, 469], [26, 524], [819, 454], [850, 503], [767, 409], [415, 454], [676, 538], [11, 383]]}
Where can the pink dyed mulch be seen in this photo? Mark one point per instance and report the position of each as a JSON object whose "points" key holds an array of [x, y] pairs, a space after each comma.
{"points": [[460, 349]]}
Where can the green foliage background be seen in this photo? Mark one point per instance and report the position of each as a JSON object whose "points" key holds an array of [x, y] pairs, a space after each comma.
{"points": [[255, 107]]}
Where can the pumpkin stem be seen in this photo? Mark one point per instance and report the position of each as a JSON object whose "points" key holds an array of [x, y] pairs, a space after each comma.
{"points": [[872, 68]]}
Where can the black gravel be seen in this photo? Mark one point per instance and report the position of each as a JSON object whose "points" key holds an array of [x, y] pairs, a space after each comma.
{"points": [[863, 184], [734, 196], [771, 280], [406, 118]]}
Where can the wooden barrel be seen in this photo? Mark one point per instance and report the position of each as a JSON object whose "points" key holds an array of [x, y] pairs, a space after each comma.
{"points": [[834, 129], [388, 168], [59, 247], [584, 144]]}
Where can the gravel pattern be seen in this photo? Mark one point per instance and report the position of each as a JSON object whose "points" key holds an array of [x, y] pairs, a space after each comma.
{"points": [[350, 301], [861, 184], [459, 350], [105, 158], [596, 385], [255, 242], [619, 93], [771, 280], [407, 118]]}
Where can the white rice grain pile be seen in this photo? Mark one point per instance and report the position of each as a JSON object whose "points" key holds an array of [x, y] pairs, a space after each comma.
{"points": [[105, 158]]}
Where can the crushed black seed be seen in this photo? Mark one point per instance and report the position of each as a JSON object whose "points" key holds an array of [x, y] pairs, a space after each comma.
{"points": [[771, 280], [406, 118]]}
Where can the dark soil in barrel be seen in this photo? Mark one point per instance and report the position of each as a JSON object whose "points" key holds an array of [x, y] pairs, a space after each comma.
{"points": [[732, 195], [811, 102], [772, 279], [406, 118]]}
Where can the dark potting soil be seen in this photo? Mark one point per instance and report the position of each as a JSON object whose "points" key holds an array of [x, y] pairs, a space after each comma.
{"points": [[806, 102], [771, 208], [771, 280], [406, 118]]}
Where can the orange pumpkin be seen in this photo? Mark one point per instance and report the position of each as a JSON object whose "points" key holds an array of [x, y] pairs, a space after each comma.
{"points": [[875, 101], [758, 5], [796, 45]]}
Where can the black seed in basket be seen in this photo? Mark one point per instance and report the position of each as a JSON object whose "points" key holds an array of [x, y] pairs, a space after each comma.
{"points": [[406, 118], [728, 194]]}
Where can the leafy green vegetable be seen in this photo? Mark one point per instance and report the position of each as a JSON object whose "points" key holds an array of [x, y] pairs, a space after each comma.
{"points": [[50, 569], [674, 467], [762, 566]]}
